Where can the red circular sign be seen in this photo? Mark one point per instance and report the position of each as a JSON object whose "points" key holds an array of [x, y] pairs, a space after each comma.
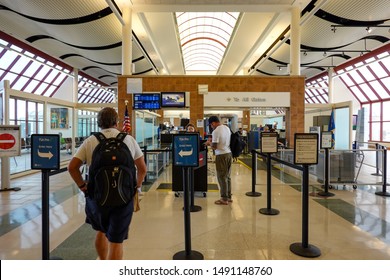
{"points": [[7, 141]]}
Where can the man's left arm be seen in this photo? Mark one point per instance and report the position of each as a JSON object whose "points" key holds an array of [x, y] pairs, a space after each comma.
{"points": [[141, 170]]}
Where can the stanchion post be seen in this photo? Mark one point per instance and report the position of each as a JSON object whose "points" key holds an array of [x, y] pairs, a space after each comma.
{"points": [[269, 210], [326, 176], [186, 161], [384, 175], [45, 216], [254, 171], [377, 148], [304, 249], [187, 254], [193, 207], [145, 150]]}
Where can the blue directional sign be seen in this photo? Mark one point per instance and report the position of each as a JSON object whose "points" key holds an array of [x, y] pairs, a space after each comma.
{"points": [[45, 151], [185, 150]]}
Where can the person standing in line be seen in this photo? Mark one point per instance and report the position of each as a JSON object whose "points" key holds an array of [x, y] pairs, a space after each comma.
{"points": [[111, 224], [220, 143]]}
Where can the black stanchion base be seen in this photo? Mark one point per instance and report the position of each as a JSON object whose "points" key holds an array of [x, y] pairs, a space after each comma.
{"points": [[253, 194], [10, 189], [327, 194], [310, 252], [195, 208], [269, 211], [382, 193], [193, 255]]}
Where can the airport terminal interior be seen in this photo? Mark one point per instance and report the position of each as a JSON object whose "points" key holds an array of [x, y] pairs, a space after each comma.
{"points": [[62, 61]]}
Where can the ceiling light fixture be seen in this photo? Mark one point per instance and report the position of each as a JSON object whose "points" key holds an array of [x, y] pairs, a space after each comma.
{"points": [[334, 27]]}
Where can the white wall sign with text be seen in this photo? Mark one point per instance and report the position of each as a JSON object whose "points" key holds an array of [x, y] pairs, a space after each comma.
{"points": [[247, 99]]}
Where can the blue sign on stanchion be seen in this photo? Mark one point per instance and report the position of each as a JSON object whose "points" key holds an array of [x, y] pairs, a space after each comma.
{"points": [[45, 151], [185, 150]]}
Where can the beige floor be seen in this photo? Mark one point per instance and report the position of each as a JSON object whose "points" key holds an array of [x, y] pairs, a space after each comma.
{"points": [[218, 232]]}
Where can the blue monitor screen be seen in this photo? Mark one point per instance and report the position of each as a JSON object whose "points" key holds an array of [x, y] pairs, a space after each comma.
{"points": [[146, 101], [173, 99]]}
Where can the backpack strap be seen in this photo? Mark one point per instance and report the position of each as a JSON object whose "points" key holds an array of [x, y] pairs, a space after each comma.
{"points": [[100, 136], [121, 136]]}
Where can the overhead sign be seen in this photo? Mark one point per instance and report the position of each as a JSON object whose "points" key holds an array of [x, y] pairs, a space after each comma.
{"points": [[185, 150], [9, 140], [45, 151], [247, 99]]}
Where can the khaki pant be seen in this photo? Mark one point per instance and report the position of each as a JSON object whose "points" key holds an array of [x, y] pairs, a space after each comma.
{"points": [[223, 164]]}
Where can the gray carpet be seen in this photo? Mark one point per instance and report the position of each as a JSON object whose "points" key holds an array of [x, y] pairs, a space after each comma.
{"points": [[78, 246]]}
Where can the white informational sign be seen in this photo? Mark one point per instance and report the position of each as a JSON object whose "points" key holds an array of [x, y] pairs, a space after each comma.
{"points": [[269, 142], [9, 140], [326, 140], [199, 123], [247, 99], [134, 85], [306, 148]]}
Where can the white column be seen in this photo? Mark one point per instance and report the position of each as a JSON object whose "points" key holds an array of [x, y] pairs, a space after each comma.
{"points": [[74, 110], [295, 41], [126, 40], [5, 162], [330, 86]]}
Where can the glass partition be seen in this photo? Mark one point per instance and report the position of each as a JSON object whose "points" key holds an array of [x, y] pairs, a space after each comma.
{"points": [[146, 129]]}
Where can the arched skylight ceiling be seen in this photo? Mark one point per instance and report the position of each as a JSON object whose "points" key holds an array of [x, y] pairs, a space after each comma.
{"points": [[32, 73], [204, 38]]}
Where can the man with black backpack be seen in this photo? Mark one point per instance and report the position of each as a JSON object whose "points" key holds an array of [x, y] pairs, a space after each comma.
{"points": [[220, 143], [116, 168]]}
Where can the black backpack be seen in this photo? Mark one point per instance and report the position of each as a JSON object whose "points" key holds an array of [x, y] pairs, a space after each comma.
{"points": [[112, 173], [237, 145]]}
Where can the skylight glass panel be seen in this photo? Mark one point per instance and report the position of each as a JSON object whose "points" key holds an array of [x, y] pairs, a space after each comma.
{"points": [[378, 70], [202, 35], [379, 90], [31, 85], [386, 83], [369, 93], [16, 48], [366, 73], [359, 95], [386, 112], [20, 64], [356, 77], [20, 83], [42, 73], [32, 69], [7, 59]]}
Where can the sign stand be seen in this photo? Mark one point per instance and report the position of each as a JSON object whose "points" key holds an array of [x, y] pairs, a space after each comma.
{"points": [[269, 144], [326, 144], [326, 192], [305, 153], [254, 170], [45, 156], [193, 207], [186, 155], [9, 147]]}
